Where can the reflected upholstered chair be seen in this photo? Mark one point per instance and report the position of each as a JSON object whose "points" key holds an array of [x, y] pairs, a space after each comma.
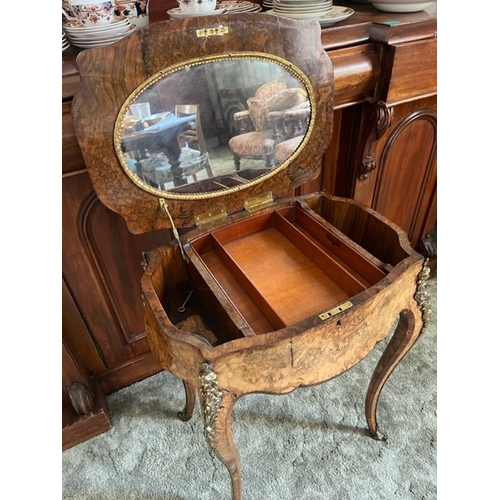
{"points": [[261, 126], [293, 123]]}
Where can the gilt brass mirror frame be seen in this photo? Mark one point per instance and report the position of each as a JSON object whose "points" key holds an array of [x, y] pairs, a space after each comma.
{"points": [[206, 60]]}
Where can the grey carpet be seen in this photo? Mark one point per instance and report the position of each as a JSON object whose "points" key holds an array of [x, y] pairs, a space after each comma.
{"points": [[311, 444]]}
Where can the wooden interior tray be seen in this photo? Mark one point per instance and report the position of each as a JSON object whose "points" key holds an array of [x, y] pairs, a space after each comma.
{"points": [[281, 267]]}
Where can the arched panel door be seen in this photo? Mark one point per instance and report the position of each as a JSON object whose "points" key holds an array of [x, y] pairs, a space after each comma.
{"points": [[102, 265], [406, 182]]}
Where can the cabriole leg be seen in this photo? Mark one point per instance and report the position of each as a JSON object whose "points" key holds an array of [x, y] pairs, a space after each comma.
{"points": [[405, 335], [410, 325], [217, 407], [190, 391]]}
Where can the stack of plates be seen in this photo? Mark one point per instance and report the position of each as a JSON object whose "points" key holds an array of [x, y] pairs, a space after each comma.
{"points": [[267, 4], [334, 14], [302, 9], [65, 43], [96, 36], [223, 7], [238, 6]]}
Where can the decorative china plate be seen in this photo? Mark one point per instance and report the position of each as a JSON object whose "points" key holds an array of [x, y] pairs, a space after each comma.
{"points": [[386, 6], [77, 26], [104, 39], [228, 7], [238, 6], [335, 15], [111, 33], [298, 10], [299, 15], [177, 14], [301, 5]]}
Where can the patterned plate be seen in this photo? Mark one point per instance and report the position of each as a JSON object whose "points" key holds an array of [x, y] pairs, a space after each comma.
{"points": [[336, 15], [232, 6], [177, 14]]}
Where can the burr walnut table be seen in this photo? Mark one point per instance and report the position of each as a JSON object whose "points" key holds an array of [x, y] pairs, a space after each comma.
{"points": [[261, 291]]}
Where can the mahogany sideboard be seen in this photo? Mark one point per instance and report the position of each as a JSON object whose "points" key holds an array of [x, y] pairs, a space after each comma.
{"points": [[382, 153]]}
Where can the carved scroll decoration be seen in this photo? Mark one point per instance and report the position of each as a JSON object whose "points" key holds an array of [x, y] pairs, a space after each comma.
{"points": [[212, 397], [422, 295], [81, 398], [378, 120]]}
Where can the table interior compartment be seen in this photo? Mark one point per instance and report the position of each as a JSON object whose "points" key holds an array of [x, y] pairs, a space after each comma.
{"points": [[195, 306], [172, 282], [365, 267], [376, 239], [276, 268]]}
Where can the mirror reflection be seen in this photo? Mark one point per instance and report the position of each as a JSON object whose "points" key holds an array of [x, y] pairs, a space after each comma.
{"points": [[213, 125]]}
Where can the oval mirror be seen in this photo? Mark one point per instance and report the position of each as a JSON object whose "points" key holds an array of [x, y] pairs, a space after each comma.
{"points": [[212, 124]]}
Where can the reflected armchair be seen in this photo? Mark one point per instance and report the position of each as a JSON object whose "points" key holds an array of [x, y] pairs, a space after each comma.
{"points": [[293, 126], [265, 124]]}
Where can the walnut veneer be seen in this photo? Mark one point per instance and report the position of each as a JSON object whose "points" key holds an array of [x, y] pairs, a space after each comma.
{"points": [[382, 153]]}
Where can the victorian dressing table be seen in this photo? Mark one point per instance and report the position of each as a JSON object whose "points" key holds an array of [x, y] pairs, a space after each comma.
{"points": [[382, 153], [259, 290]]}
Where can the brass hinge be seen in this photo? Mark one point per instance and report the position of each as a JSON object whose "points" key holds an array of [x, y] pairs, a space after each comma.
{"points": [[257, 202], [210, 218], [336, 310]]}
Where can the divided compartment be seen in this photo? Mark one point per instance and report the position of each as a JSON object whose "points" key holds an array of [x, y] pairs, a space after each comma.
{"points": [[278, 268]]}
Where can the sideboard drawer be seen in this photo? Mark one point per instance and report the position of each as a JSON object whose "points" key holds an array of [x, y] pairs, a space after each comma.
{"points": [[410, 72], [356, 73]]}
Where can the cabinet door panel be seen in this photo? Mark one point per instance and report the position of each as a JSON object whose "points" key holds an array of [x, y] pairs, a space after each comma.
{"points": [[407, 177], [77, 335], [102, 264], [393, 168]]}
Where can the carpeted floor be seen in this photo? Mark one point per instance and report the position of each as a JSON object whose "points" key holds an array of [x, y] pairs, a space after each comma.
{"points": [[311, 444]]}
